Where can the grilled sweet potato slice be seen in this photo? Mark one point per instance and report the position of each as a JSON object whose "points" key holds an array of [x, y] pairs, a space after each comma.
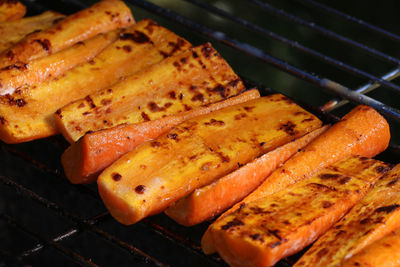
{"points": [[210, 200], [13, 31], [85, 159], [374, 217], [383, 253], [363, 132], [191, 79], [262, 232], [29, 113], [148, 179], [11, 10], [104, 16], [27, 74]]}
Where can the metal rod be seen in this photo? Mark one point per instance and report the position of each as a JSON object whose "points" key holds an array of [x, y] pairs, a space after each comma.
{"points": [[326, 32], [327, 84], [337, 102], [296, 45], [65, 251], [350, 18]]}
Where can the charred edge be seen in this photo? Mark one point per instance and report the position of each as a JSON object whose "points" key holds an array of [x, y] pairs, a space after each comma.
{"points": [[175, 46], [218, 89], [382, 169], [58, 113], [388, 209], [394, 181], [17, 65], [207, 51]]}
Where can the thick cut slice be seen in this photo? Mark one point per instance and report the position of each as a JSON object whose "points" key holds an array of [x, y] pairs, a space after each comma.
{"points": [[11, 10], [374, 217], [13, 31], [264, 231], [95, 151], [29, 113], [20, 74], [193, 78], [361, 132], [104, 16], [148, 179], [210, 200], [383, 253]]}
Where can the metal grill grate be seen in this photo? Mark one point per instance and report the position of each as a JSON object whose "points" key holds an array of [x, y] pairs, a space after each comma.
{"points": [[45, 220]]}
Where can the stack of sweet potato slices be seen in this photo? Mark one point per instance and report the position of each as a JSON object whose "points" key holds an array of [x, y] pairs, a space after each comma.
{"points": [[164, 126]]}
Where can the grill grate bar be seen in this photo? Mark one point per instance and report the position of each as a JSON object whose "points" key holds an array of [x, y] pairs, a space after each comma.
{"points": [[82, 224], [67, 252], [336, 103], [360, 22], [327, 84], [324, 31], [296, 45]]}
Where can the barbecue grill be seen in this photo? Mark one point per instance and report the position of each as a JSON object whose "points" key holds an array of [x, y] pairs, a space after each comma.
{"points": [[318, 55]]}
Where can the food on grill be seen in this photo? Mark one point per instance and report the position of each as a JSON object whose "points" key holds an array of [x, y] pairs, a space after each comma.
{"points": [[210, 200], [104, 16], [195, 153], [374, 217], [21, 74], [193, 78], [262, 232], [361, 132], [84, 160], [28, 114], [11, 10], [13, 31], [383, 253]]}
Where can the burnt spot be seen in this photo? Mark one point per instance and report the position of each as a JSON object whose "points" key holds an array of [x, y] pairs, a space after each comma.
{"points": [[2, 120], [207, 51], [365, 221], [20, 102], [344, 180], [140, 189], [176, 46], [86, 113], [137, 36], [173, 136], [177, 65], [184, 60], [58, 113], [235, 222], [340, 232], [18, 66], [249, 109], [234, 83], [193, 158], [326, 176], [224, 158], [322, 252], [45, 43], [187, 108], [241, 206], [327, 204], [192, 87], [90, 101], [240, 116], [154, 107], [214, 122], [239, 164], [394, 181], [180, 96], [172, 95], [262, 143], [308, 119], [145, 116], [105, 102], [116, 176], [256, 237], [127, 48], [198, 97], [92, 62], [388, 209], [288, 127], [78, 128], [155, 144], [217, 89], [381, 169], [57, 20], [195, 55]]}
